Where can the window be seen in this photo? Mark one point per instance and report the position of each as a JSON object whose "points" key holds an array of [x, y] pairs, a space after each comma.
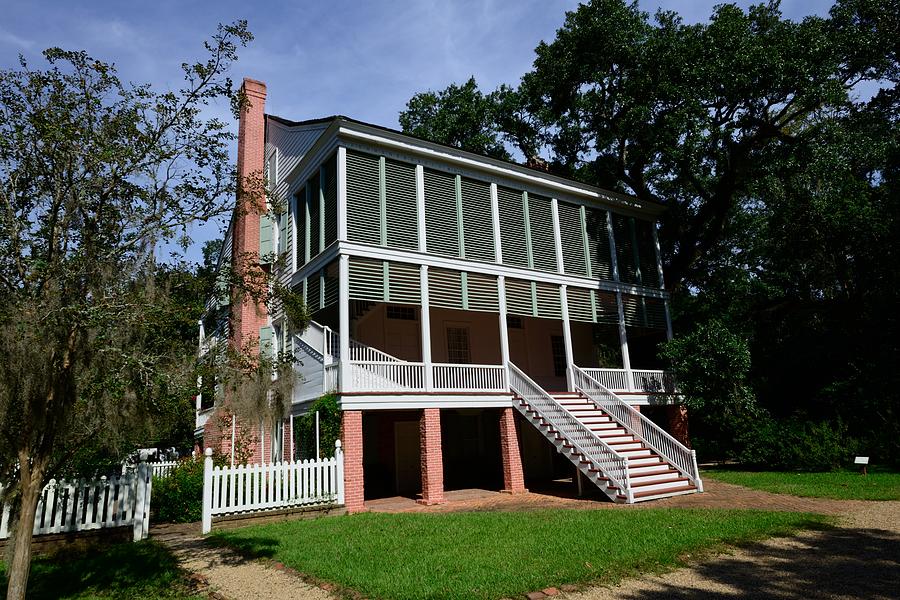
{"points": [[402, 313], [458, 346], [278, 441], [559, 355]]}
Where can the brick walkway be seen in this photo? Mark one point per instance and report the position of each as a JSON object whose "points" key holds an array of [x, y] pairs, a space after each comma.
{"points": [[716, 495]]}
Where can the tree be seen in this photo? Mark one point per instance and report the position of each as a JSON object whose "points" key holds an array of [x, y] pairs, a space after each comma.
{"points": [[95, 174]]}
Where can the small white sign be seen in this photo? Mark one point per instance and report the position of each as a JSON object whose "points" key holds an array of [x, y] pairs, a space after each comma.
{"points": [[861, 460]]}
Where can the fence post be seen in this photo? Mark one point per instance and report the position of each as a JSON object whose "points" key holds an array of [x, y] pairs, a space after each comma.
{"points": [[339, 463], [140, 500], [207, 491]]}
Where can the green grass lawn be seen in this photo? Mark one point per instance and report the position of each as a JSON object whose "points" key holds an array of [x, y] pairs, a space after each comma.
{"points": [[842, 485], [143, 570], [494, 554]]}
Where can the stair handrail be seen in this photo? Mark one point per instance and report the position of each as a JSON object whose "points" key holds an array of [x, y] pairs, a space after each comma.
{"points": [[362, 352], [652, 435], [612, 465], [358, 350]]}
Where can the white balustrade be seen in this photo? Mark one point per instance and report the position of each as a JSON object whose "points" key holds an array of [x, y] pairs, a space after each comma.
{"points": [[467, 378], [382, 376], [639, 380]]}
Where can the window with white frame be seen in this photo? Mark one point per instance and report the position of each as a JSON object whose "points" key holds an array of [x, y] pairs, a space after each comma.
{"points": [[278, 441], [458, 351]]}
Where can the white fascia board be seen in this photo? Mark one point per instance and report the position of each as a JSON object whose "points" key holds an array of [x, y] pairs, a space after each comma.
{"points": [[419, 401], [548, 183], [459, 264]]}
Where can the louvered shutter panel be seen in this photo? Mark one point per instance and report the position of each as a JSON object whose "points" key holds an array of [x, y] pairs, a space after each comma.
{"points": [[641, 311], [282, 233], [445, 288], [482, 292], [607, 307], [549, 305], [441, 223], [581, 304], [265, 238], [313, 292], [543, 244], [570, 234], [366, 279], [312, 185], [477, 220], [623, 230], [331, 286], [329, 170], [363, 205], [300, 225], [598, 243], [266, 345], [512, 227], [646, 252], [400, 196], [519, 299], [405, 285]]}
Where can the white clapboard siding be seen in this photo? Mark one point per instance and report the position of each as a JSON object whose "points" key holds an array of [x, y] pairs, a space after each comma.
{"points": [[84, 505], [260, 487]]}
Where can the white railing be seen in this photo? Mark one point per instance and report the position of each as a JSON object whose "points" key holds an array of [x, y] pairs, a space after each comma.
{"points": [[162, 469], [635, 380], [653, 436], [80, 505], [332, 377], [467, 378], [260, 487], [363, 353], [381, 376], [611, 464]]}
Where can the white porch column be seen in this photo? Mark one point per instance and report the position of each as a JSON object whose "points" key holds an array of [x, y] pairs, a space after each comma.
{"points": [[567, 338], [662, 282], [504, 334], [425, 322], [623, 336], [344, 317]]}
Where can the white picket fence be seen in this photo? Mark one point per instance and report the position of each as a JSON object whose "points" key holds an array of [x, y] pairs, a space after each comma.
{"points": [[160, 469], [84, 505], [261, 487]]}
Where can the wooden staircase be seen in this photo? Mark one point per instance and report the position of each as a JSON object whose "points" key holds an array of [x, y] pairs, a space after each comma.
{"points": [[650, 476]]}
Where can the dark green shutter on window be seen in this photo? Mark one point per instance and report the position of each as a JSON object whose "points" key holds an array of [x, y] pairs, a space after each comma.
{"points": [[512, 227], [598, 243], [265, 237], [572, 239], [543, 242], [441, 222], [329, 171], [363, 204], [401, 211], [477, 220]]}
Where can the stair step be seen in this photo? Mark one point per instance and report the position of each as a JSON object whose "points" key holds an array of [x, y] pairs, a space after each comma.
{"points": [[636, 467], [635, 453], [672, 482], [651, 495], [658, 475], [609, 431]]}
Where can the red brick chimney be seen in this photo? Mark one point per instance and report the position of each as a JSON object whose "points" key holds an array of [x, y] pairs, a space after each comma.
{"points": [[249, 313]]}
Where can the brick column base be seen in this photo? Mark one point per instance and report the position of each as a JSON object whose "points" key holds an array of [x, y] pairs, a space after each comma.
{"points": [[352, 443], [678, 423], [431, 457], [513, 476]]}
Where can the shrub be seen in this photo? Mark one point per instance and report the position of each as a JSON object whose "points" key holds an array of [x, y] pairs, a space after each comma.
{"points": [[178, 498], [796, 444], [329, 427]]}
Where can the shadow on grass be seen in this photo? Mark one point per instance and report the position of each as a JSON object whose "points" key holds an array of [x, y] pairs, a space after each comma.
{"points": [[833, 562], [142, 570], [247, 548]]}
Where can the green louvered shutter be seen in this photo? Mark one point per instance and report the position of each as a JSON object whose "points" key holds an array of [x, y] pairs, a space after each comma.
{"points": [[404, 283], [266, 346], [300, 225], [366, 279], [329, 172], [315, 215], [445, 288], [598, 243], [572, 239], [607, 308], [400, 202], [265, 238], [330, 288], [477, 221], [441, 221], [646, 252], [314, 292], [282, 233], [581, 305], [543, 243], [513, 240], [482, 292], [641, 311], [519, 297], [626, 258], [363, 203]]}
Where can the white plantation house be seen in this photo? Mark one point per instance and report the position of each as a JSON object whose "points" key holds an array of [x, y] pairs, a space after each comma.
{"points": [[483, 324]]}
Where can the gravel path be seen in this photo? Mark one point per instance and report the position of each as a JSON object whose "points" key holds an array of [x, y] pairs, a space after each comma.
{"points": [[230, 576], [859, 559]]}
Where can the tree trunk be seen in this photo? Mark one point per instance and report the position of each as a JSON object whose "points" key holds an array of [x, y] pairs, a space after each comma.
{"points": [[20, 562]]}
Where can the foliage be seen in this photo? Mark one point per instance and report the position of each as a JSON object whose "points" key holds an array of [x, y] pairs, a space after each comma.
{"points": [[329, 427], [467, 555], [128, 571], [795, 444], [178, 497], [96, 175], [840, 485]]}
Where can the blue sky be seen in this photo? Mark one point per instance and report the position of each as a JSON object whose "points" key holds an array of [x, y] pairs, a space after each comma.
{"points": [[362, 59]]}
